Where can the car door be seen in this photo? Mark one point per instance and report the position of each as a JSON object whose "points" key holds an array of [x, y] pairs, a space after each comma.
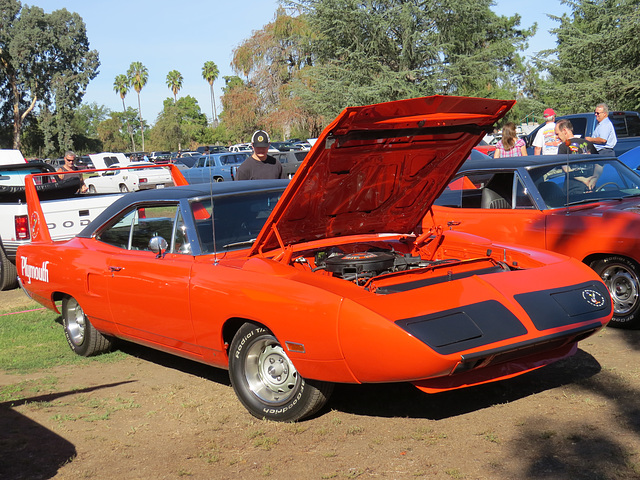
{"points": [[494, 205], [148, 293]]}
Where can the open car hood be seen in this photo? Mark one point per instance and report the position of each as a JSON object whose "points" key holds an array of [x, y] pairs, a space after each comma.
{"points": [[107, 159], [379, 168]]}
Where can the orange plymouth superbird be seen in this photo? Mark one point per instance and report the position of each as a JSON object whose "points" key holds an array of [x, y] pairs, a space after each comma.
{"points": [[330, 278]]}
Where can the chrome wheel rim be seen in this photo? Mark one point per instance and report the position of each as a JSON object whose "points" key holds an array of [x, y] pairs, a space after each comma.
{"points": [[622, 283], [269, 373], [76, 324]]}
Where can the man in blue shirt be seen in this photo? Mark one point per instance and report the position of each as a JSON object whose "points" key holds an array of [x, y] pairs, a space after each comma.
{"points": [[604, 135]]}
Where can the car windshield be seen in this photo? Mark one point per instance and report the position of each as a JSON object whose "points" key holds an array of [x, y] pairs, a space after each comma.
{"points": [[238, 219], [584, 181]]}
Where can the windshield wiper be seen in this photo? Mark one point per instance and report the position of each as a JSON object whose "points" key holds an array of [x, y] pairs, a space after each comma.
{"points": [[238, 244], [593, 200]]}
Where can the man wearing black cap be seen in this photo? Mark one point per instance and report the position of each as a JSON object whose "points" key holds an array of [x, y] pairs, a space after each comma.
{"points": [[260, 165]]}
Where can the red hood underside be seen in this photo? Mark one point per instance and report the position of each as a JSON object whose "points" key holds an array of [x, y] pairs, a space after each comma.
{"points": [[379, 168]]}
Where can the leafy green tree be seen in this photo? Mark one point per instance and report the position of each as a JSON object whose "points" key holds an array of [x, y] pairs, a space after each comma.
{"points": [[240, 106], [210, 73], [180, 124], [110, 133], [597, 58], [382, 50], [174, 82], [121, 87], [45, 61], [87, 117], [138, 76], [115, 137], [270, 60]]}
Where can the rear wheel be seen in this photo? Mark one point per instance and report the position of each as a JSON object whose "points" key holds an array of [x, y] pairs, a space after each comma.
{"points": [[123, 188], [622, 277], [82, 337], [218, 179], [265, 380], [8, 272]]}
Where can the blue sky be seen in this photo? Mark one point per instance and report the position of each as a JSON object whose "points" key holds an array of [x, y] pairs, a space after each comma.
{"points": [[181, 35]]}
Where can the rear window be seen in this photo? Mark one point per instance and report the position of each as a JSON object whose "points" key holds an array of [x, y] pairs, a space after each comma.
{"points": [[626, 125]]}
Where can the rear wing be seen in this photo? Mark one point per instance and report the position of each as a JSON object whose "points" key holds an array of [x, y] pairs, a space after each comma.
{"points": [[38, 226]]}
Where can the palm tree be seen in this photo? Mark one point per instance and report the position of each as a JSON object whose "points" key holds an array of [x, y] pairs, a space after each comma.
{"points": [[121, 87], [138, 76], [210, 73], [174, 82]]}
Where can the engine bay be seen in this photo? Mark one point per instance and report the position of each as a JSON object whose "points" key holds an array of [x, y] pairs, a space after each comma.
{"points": [[390, 270]]}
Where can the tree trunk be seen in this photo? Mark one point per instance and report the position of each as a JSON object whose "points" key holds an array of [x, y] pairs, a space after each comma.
{"points": [[140, 116], [124, 109]]}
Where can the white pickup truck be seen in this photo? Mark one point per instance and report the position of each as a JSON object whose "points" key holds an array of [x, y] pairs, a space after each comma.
{"points": [[65, 211]]}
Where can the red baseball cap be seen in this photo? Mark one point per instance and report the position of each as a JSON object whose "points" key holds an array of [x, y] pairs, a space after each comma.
{"points": [[549, 113]]}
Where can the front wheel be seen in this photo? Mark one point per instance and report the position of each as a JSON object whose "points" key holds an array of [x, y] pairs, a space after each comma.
{"points": [[622, 277], [265, 380], [82, 337]]}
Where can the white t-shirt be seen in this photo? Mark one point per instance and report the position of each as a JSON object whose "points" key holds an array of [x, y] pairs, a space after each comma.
{"points": [[546, 139]]}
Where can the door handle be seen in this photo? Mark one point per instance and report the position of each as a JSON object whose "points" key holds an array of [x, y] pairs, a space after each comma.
{"points": [[452, 224], [115, 269]]}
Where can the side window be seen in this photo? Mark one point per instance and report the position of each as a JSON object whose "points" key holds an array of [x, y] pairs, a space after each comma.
{"points": [[134, 228], [119, 231], [523, 198], [465, 191], [180, 238]]}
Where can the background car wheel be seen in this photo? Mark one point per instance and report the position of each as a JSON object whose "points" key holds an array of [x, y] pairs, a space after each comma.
{"points": [[82, 337], [8, 273], [265, 380], [92, 189], [218, 179], [622, 277], [123, 188]]}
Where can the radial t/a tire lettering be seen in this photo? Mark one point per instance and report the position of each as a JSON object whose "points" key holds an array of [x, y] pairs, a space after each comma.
{"points": [[621, 275], [265, 380], [82, 337]]}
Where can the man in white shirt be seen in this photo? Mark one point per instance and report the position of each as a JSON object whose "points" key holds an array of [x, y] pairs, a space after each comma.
{"points": [[546, 142]]}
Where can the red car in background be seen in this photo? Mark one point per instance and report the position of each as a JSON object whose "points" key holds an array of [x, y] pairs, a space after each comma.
{"points": [[583, 206], [485, 148]]}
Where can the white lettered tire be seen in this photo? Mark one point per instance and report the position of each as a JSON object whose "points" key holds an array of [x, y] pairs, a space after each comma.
{"points": [[265, 380]]}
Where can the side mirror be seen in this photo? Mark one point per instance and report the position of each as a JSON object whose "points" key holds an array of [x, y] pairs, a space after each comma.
{"points": [[158, 245]]}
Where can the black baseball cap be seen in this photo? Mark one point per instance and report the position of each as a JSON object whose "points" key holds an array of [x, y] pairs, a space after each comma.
{"points": [[260, 139]]}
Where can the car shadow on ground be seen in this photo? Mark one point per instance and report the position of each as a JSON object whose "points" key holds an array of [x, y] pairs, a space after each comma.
{"points": [[169, 360], [404, 400], [27, 449]]}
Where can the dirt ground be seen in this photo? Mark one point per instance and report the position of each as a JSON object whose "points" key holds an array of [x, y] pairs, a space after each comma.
{"points": [[153, 416]]}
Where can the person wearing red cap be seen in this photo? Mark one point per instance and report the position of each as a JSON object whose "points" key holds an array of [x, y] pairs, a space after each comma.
{"points": [[546, 142], [260, 165]]}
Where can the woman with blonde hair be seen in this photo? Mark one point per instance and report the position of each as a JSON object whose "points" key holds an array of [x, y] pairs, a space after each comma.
{"points": [[510, 145]]}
